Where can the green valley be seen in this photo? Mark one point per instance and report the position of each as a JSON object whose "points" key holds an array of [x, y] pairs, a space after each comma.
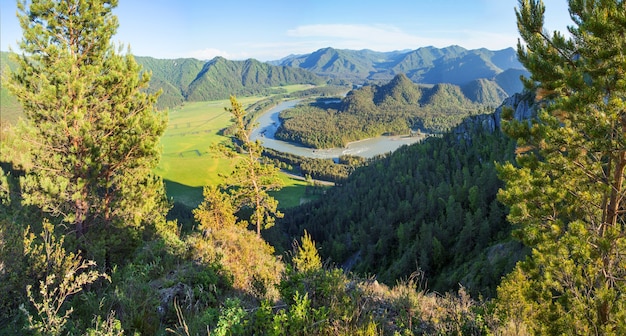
{"points": [[428, 191], [190, 160]]}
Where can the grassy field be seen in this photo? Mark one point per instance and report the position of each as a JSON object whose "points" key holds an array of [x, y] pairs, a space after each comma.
{"points": [[187, 163]]}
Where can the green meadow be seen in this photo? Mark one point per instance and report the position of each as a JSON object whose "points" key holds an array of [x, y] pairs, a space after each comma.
{"points": [[187, 162]]}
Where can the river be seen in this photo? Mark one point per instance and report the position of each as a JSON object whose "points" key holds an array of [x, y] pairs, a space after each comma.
{"points": [[268, 123]]}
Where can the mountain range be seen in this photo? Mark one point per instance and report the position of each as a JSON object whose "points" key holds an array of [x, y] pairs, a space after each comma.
{"points": [[193, 80], [484, 75], [428, 65]]}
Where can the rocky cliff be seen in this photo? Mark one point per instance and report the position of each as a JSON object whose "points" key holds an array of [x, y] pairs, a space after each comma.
{"points": [[522, 104]]}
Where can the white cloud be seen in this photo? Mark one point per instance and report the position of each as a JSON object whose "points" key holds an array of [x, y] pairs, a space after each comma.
{"points": [[381, 37], [359, 36], [208, 53]]}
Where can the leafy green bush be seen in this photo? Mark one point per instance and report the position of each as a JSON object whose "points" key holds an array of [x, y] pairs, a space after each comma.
{"points": [[64, 274]]}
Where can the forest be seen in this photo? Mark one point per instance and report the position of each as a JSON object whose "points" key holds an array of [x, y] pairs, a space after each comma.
{"points": [[396, 108], [431, 206], [511, 223]]}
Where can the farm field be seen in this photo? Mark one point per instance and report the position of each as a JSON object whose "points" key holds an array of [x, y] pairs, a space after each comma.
{"points": [[187, 163]]}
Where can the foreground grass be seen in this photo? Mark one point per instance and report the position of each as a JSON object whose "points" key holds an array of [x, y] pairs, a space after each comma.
{"points": [[187, 162]]}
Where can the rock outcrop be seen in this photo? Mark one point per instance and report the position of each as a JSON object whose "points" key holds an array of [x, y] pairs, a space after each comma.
{"points": [[522, 104]]}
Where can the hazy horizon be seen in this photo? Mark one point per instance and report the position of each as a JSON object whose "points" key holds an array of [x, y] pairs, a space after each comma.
{"points": [[269, 31]]}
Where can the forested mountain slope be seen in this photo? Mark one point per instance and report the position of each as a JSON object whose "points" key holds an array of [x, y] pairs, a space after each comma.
{"points": [[393, 108], [427, 65], [193, 80], [430, 206], [171, 76], [484, 91]]}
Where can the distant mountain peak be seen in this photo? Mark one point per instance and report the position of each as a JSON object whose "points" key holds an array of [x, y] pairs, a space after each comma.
{"points": [[400, 78], [453, 64], [193, 80]]}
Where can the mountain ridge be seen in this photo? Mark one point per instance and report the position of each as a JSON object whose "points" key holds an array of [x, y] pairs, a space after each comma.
{"points": [[394, 108], [427, 65], [193, 80], [482, 74]]}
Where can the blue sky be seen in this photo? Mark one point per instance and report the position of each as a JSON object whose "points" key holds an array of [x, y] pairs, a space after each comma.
{"points": [[272, 29]]}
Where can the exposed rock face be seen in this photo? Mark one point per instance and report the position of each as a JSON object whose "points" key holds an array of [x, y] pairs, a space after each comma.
{"points": [[522, 104]]}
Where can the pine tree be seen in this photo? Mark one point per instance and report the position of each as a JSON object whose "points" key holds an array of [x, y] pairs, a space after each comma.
{"points": [[252, 178], [93, 131], [216, 211], [306, 258], [567, 191]]}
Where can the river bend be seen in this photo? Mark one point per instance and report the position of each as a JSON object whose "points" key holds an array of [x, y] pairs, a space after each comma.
{"points": [[268, 123]]}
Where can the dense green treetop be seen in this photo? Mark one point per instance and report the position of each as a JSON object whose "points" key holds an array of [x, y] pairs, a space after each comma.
{"points": [[567, 191], [92, 131]]}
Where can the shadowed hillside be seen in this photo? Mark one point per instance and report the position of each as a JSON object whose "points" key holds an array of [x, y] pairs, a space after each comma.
{"points": [[430, 206]]}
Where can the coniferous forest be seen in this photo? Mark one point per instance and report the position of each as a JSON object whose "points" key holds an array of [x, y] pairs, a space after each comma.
{"points": [[511, 222], [431, 207], [396, 108]]}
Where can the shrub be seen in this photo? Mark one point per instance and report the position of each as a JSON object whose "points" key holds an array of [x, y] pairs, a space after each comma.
{"points": [[246, 257]]}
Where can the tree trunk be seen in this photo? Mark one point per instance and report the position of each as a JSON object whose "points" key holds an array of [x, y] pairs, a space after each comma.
{"points": [[81, 217], [615, 199]]}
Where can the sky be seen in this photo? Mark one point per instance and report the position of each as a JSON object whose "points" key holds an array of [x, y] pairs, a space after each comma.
{"points": [[272, 29]]}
